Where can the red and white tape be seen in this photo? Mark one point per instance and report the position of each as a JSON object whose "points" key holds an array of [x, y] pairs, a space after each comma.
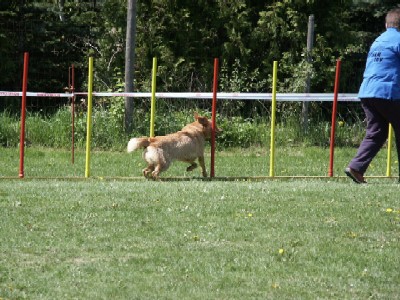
{"points": [[303, 97], [31, 94]]}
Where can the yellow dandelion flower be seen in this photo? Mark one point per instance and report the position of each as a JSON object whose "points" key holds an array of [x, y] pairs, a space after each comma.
{"points": [[281, 251], [250, 215], [389, 210], [352, 234]]}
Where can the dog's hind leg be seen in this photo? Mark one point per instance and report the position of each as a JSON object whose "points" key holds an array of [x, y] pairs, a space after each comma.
{"points": [[146, 171], [158, 169], [203, 166]]}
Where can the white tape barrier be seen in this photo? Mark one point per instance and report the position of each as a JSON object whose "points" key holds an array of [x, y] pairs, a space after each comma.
{"points": [[30, 94], [305, 97]]}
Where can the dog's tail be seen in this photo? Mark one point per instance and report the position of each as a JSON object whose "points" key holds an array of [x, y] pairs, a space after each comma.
{"points": [[137, 143]]}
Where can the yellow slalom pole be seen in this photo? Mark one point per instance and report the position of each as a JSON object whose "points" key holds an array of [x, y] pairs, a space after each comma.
{"points": [[389, 153], [153, 96], [273, 117], [89, 118]]}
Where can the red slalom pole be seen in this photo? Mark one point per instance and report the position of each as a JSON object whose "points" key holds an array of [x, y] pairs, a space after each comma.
{"points": [[213, 117], [334, 111], [71, 86], [23, 116]]}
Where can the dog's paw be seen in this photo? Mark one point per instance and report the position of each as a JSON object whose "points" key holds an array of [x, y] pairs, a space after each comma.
{"points": [[147, 172], [154, 175]]}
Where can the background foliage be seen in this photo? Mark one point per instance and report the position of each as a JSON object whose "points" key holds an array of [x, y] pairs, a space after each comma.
{"points": [[185, 36]]}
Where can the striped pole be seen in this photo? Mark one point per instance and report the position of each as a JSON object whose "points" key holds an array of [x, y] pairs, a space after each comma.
{"points": [[273, 117], [153, 96], [89, 118], [71, 86], [333, 125], [213, 117], [23, 116], [389, 153]]}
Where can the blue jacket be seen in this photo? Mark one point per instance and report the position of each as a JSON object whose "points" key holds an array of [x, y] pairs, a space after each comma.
{"points": [[382, 72]]}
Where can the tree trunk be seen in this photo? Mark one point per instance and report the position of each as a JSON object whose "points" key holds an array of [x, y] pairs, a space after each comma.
{"points": [[61, 4], [310, 43], [130, 62]]}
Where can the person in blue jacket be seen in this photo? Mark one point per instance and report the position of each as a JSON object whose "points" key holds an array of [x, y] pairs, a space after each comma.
{"points": [[380, 96]]}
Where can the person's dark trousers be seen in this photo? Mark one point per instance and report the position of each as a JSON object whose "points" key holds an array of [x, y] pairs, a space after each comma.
{"points": [[379, 113]]}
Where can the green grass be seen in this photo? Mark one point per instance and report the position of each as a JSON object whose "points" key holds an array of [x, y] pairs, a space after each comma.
{"points": [[108, 237], [250, 162]]}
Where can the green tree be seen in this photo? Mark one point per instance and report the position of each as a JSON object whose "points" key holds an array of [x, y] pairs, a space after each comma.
{"points": [[186, 36]]}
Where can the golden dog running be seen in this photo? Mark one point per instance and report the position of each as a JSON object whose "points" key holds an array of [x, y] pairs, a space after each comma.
{"points": [[186, 145]]}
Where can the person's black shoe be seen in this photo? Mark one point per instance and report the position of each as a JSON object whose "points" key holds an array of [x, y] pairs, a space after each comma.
{"points": [[357, 177]]}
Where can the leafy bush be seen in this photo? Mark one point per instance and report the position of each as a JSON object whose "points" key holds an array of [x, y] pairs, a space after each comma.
{"points": [[239, 132], [9, 130], [107, 130]]}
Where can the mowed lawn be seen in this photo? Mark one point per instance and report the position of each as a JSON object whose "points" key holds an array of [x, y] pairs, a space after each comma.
{"points": [[233, 163], [109, 237]]}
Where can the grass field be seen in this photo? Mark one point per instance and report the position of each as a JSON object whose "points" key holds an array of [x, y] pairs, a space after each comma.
{"points": [[248, 162], [109, 237]]}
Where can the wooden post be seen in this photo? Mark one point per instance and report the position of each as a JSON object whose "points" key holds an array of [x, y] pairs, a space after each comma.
{"points": [[310, 43]]}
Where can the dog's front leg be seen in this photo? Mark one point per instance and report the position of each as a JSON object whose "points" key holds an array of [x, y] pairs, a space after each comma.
{"points": [[203, 166], [192, 166]]}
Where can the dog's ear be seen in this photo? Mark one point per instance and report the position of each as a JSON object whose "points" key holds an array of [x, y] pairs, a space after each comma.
{"points": [[202, 120]]}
